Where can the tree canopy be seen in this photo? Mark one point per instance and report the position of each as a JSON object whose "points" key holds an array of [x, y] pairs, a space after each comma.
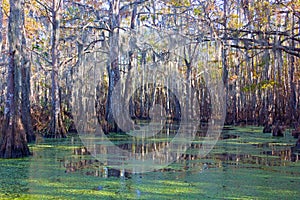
{"points": [[253, 45]]}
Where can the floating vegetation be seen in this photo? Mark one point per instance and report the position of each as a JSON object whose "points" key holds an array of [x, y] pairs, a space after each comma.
{"points": [[246, 165]]}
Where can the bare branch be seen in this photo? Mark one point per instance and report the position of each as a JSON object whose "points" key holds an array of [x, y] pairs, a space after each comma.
{"points": [[4, 64], [40, 55]]}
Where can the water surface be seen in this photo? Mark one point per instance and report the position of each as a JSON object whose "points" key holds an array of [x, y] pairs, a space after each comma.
{"points": [[245, 164]]}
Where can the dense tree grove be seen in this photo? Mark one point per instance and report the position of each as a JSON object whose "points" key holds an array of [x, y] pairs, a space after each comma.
{"points": [[45, 44]]}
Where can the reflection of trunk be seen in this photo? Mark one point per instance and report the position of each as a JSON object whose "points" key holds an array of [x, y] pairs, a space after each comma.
{"points": [[113, 65], [13, 140], [57, 129]]}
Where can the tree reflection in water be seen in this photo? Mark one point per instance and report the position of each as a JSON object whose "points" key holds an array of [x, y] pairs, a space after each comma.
{"points": [[266, 154]]}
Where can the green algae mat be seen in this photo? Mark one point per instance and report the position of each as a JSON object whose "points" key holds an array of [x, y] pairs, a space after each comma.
{"points": [[244, 164]]}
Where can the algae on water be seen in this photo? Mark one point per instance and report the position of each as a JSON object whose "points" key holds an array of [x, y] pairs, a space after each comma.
{"points": [[247, 165]]}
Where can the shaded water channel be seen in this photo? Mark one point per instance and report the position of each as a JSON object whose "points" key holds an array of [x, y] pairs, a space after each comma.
{"points": [[244, 164]]}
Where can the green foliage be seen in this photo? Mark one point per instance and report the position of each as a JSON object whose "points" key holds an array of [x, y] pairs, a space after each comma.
{"points": [[263, 85], [144, 18], [180, 2], [67, 122], [197, 11]]}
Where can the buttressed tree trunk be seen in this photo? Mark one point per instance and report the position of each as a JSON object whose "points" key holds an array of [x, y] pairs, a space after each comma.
{"points": [[13, 141]]}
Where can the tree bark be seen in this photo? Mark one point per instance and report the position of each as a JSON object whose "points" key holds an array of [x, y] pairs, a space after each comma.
{"points": [[293, 103], [224, 53], [2, 77], [113, 65], [25, 72], [57, 129], [13, 140], [1, 27]]}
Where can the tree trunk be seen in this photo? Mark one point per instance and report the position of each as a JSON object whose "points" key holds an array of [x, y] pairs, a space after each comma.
{"points": [[2, 78], [113, 65], [293, 103], [57, 129], [1, 27], [224, 53], [26, 114], [13, 140]]}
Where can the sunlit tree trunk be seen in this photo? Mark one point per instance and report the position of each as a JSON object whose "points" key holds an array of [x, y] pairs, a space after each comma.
{"points": [[13, 141], [57, 129], [113, 65]]}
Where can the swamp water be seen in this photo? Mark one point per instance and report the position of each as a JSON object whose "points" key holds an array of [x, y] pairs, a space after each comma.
{"points": [[244, 164]]}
